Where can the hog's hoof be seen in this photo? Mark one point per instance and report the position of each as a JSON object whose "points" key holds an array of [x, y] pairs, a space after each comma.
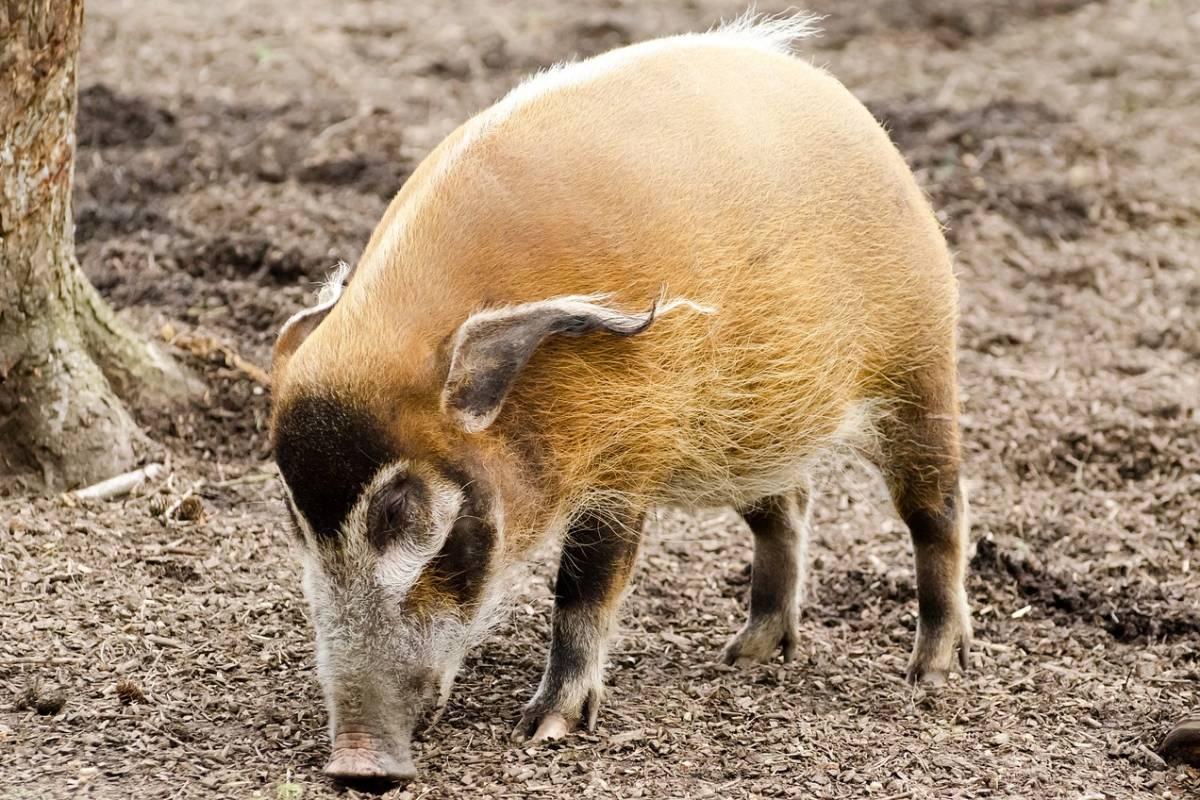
{"points": [[937, 650], [534, 728], [759, 640], [550, 727], [541, 722]]}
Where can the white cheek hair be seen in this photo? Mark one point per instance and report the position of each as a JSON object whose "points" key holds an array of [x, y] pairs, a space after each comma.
{"points": [[317, 594]]}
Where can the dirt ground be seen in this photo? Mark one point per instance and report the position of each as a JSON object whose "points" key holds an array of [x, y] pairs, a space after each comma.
{"points": [[231, 152]]}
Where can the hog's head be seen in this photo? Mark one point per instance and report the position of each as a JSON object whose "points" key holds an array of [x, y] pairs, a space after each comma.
{"points": [[397, 552]]}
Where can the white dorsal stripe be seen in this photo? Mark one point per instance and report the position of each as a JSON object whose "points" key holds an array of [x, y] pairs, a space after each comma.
{"points": [[777, 34], [769, 33]]}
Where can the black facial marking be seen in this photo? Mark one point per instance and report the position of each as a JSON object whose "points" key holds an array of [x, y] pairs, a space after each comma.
{"points": [[327, 452], [461, 566]]}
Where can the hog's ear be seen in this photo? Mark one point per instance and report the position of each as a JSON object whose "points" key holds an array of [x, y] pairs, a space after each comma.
{"points": [[301, 324], [492, 347]]}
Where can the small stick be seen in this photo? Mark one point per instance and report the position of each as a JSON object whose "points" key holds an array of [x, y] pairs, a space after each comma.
{"points": [[165, 641], [254, 477], [120, 484], [251, 371], [53, 661], [181, 551]]}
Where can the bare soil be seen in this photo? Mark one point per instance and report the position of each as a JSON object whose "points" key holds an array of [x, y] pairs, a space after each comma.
{"points": [[231, 152]]}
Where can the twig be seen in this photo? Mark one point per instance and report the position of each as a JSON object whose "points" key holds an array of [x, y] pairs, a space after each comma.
{"points": [[181, 551], [254, 477], [119, 485], [203, 347], [50, 662], [1029, 377], [334, 129], [165, 641], [251, 371]]}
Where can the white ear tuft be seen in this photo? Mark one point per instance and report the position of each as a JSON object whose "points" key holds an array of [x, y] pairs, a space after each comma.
{"points": [[332, 286]]}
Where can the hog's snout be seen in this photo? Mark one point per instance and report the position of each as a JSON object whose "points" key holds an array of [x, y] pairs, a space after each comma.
{"points": [[360, 757]]}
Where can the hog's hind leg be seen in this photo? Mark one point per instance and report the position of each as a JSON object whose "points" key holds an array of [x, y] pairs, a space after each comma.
{"points": [[597, 559], [920, 462], [939, 536], [780, 525]]}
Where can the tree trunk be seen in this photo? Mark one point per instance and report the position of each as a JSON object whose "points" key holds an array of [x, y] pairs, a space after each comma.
{"points": [[66, 363]]}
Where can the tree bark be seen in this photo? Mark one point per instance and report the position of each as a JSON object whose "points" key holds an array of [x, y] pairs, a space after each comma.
{"points": [[66, 362]]}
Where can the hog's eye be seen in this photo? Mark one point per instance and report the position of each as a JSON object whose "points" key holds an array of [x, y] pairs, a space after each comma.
{"points": [[395, 508], [395, 511]]}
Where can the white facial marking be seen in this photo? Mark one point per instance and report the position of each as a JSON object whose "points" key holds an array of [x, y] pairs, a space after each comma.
{"points": [[366, 641], [402, 561]]}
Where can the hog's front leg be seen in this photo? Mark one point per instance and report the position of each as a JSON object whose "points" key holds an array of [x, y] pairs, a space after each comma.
{"points": [[597, 558]]}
